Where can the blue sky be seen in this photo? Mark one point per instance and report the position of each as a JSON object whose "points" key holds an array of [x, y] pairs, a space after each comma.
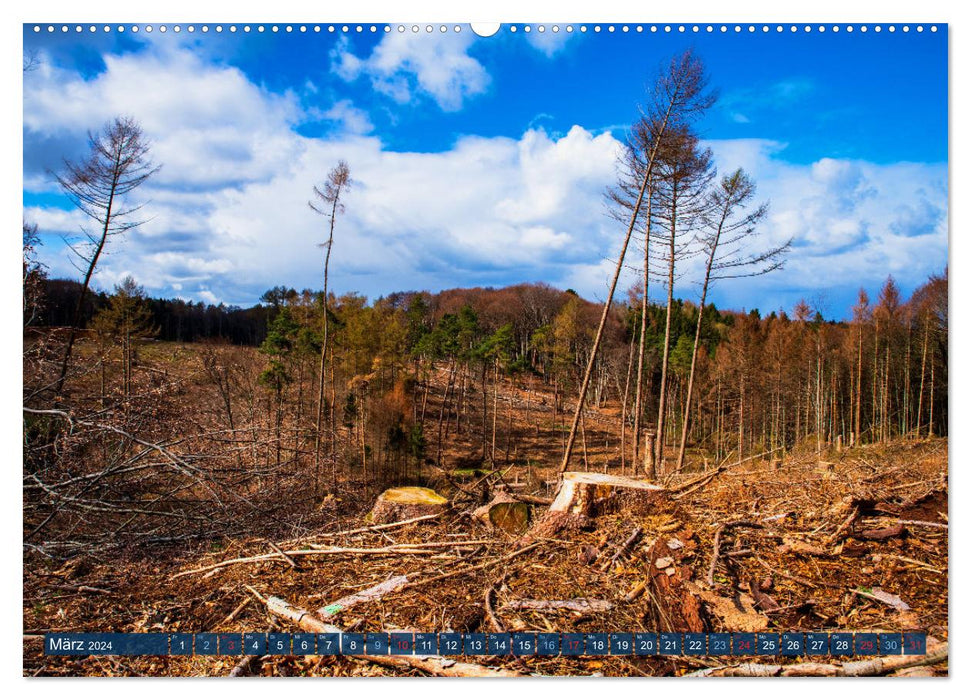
{"points": [[483, 161]]}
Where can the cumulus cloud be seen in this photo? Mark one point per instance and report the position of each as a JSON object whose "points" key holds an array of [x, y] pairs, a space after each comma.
{"points": [[208, 124], [404, 67], [228, 215], [852, 222]]}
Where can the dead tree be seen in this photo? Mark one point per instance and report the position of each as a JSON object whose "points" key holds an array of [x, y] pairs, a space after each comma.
{"points": [[685, 171], [117, 164], [329, 206], [678, 98], [729, 228]]}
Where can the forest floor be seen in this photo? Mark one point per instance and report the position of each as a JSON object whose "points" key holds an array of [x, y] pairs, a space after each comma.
{"points": [[855, 540], [857, 543]]}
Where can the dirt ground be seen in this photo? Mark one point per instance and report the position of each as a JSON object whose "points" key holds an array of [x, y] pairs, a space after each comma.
{"points": [[858, 542]]}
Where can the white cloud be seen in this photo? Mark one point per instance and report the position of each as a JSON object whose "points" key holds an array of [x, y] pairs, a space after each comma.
{"points": [[229, 215], [208, 124], [403, 66], [549, 42], [352, 119], [852, 222]]}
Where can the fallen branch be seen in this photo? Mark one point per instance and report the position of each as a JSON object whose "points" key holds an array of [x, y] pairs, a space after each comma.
{"points": [[580, 605], [286, 557], [880, 534], [717, 544], [468, 570], [702, 481], [435, 665], [404, 548], [869, 667], [375, 528], [373, 593], [623, 549], [246, 666]]}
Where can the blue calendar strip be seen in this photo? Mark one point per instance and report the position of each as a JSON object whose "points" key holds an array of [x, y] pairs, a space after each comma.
{"points": [[538, 644]]}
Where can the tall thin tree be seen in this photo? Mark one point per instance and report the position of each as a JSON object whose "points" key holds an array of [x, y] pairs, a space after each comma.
{"points": [[728, 230], [118, 162], [679, 96], [685, 172], [328, 205]]}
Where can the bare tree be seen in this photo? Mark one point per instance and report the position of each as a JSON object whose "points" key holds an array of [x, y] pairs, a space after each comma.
{"points": [[685, 172], [678, 98], [728, 229], [117, 164], [31, 60], [328, 205], [35, 273]]}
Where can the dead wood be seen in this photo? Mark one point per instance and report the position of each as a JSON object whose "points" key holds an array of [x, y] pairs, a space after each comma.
{"points": [[579, 605], [375, 528], [394, 549], [624, 549], [870, 667], [477, 567], [406, 502], [879, 534], [434, 665], [286, 557], [505, 512], [717, 544], [375, 592], [247, 666]]}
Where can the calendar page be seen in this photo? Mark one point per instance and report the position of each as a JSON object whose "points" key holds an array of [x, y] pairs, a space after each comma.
{"points": [[485, 350]]}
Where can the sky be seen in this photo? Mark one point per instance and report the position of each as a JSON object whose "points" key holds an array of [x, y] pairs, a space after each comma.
{"points": [[483, 161]]}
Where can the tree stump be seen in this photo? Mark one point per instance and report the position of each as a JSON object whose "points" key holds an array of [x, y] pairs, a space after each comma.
{"points": [[406, 502], [592, 494], [505, 513], [583, 496]]}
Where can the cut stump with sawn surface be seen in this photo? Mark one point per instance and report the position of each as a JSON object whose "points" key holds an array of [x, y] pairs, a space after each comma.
{"points": [[406, 502], [583, 496]]}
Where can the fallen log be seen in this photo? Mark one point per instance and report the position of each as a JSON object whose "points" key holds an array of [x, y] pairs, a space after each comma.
{"points": [[368, 594], [869, 667], [579, 605], [435, 665]]}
